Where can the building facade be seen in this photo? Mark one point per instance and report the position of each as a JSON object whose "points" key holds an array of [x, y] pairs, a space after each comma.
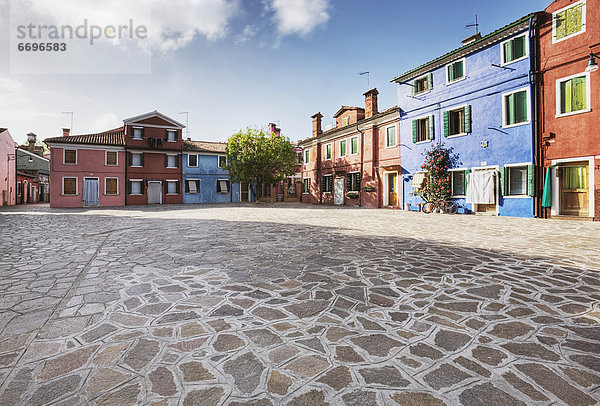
{"points": [[355, 163], [569, 115], [204, 178], [479, 100], [8, 169], [37, 169]]}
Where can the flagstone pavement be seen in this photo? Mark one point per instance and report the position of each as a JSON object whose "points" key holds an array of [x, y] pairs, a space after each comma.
{"points": [[296, 305]]}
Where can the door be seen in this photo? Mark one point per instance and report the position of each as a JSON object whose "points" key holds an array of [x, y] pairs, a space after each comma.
{"points": [[574, 190], [338, 191], [91, 192], [154, 192], [244, 190], [392, 193]]}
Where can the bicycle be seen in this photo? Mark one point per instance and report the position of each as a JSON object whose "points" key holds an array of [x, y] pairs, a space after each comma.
{"points": [[443, 206]]}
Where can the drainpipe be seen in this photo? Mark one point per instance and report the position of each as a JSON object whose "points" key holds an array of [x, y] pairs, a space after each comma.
{"points": [[362, 158], [535, 137]]}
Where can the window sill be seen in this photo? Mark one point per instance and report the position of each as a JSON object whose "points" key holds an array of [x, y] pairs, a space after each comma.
{"points": [[172, 194], [458, 196], [457, 135], [171, 141], [137, 139], [455, 80], [67, 163], [423, 93], [391, 146], [136, 166], [422, 142], [572, 113], [136, 194], [191, 193], [223, 193], [67, 195], [170, 167], [517, 197], [105, 194], [513, 61], [516, 125]]}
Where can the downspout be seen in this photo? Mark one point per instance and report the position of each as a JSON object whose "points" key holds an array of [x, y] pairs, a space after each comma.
{"points": [[126, 180], [537, 162], [362, 158]]}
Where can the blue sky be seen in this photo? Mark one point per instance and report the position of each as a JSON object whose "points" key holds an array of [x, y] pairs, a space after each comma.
{"points": [[250, 62]]}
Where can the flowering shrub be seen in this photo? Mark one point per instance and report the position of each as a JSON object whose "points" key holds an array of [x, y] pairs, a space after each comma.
{"points": [[437, 184]]}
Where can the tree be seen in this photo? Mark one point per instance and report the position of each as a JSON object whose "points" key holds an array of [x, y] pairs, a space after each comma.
{"points": [[437, 184], [254, 155]]}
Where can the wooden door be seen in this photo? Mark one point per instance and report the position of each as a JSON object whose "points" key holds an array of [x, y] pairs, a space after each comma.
{"points": [[392, 193], [574, 190], [245, 193]]}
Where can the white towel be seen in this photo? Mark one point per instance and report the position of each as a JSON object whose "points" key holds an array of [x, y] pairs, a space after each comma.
{"points": [[418, 179], [480, 187]]}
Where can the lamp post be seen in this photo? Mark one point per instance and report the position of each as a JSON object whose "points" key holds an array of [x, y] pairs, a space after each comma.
{"points": [[592, 65]]}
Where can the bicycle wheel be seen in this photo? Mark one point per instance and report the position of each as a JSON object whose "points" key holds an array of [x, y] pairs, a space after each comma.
{"points": [[450, 207], [429, 207]]}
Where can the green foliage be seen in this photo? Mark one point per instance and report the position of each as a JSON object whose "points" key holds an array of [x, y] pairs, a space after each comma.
{"points": [[254, 155], [437, 184]]}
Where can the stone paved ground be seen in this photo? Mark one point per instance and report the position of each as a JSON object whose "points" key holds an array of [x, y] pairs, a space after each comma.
{"points": [[296, 305]]}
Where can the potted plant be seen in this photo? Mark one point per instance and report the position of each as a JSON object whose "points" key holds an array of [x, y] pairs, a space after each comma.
{"points": [[352, 195], [368, 188]]}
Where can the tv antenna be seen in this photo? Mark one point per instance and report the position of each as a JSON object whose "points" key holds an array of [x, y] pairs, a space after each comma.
{"points": [[187, 119], [72, 114], [365, 73], [476, 25]]}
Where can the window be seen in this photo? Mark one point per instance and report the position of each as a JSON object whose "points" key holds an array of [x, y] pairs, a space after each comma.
{"points": [[423, 84], [390, 138], [69, 186], [516, 108], [136, 159], [136, 187], [192, 160], [455, 71], [222, 161], [572, 95], [192, 186], [171, 135], [138, 133], [328, 150], [568, 22], [514, 49], [517, 180], [171, 161], [353, 145], [306, 185], [327, 184], [353, 182], [345, 121], [458, 180], [111, 186], [457, 121], [111, 158], [172, 187], [70, 156], [306, 156], [222, 186], [343, 147], [423, 129]]}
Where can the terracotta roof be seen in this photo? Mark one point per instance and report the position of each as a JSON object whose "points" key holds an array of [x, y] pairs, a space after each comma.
{"points": [[3, 129], [111, 137], [489, 39], [204, 146]]}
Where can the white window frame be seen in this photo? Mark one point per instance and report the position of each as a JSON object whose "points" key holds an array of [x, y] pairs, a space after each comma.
{"points": [[219, 160], [583, 21], [357, 145], [330, 145], [588, 95], [329, 176], [133, 137], [309, 182], [523, 196], [139, 154], [395, 127], [106, 157], [193, 180], [63, 185], [426, 138], [141, 187], [421, 78], [111, 177], [171, 167], [306, 156], [340, 149], [347, 120], [452, 182], [464, 61], [527, 97], [169, 132], [502, 56], [228, 186], [188, 161], [168, 181], [461, 107], [76, 156]]}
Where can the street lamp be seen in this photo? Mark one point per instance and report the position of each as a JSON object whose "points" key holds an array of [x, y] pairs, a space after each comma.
{"points": [[592, 65]]}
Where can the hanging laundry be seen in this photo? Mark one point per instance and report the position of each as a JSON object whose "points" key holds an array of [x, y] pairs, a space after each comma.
{"points": [[480, 187]]}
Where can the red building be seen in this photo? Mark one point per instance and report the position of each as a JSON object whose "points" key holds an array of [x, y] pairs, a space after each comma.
{"points": [[569, 110], [153, 171], [355, 163]]}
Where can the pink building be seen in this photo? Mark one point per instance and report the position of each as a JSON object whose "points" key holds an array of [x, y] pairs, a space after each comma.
{"points": [[87, 170], [8, 178]]}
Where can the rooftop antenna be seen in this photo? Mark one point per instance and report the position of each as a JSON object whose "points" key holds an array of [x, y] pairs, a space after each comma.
{"points": [[187, 119], [72, 114], [476, 25], [366, 73]]}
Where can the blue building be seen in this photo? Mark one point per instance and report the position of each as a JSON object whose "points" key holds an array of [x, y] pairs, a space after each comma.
{"points": [[205, 180], [480, 100]]}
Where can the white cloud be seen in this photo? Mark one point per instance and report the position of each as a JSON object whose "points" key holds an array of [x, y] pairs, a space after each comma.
{"points": [[299, 17], [106, 122], [247, 34]]}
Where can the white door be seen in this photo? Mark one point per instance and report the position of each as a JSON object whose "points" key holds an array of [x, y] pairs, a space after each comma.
{"points": [[338, 191], [91, 196], [154, 193]]}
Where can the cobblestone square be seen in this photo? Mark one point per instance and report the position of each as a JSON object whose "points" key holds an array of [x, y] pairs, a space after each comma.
{"points": [[296, 305]]}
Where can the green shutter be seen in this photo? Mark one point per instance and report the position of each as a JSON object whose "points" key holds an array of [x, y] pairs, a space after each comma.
{"points": [[521, 107], [450, 72], [510, 109], [518, 46], [358, 179], [574, 20], [459, 70], [530, 180], [579, 100], [466, 172], [565, 96], [348, 182], [446, 123], [431, 128], [561, 25], [429, 81], [414, 87], [324, 184], [503, 180], [508, 51], [467, 116], [415, 130]]}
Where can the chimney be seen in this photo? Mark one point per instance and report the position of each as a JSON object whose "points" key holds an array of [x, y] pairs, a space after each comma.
{"points": [[316, 125], [471, 39], [31, 139], [371, 103], [66, 132]]}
